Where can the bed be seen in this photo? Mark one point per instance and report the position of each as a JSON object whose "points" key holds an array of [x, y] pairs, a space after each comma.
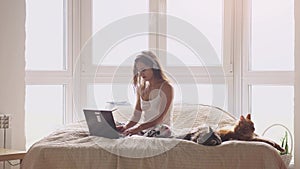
{"points": [[72, 147]]}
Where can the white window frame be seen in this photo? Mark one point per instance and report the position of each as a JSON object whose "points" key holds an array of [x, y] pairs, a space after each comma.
{"points": [[255, 77], [247, 77], [63, 77]]}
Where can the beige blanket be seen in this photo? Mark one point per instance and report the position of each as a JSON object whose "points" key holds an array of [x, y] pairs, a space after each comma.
{"points": [[73, 148]]}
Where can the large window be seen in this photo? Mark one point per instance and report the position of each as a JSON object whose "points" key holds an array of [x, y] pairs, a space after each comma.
{"points": [[252, 42], [176, 55], [254, 49], [48, 57], [268, 67]]}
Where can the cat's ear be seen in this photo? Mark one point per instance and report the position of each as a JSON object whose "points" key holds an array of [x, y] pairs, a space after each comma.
{"points": [[248, 116], [242, 118]]}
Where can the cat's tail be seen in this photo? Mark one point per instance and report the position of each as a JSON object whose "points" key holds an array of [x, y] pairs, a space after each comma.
{"points": [[272, 143], [278, 147]]}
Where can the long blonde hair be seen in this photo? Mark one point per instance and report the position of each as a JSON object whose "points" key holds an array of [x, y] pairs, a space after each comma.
{"points": [[149, 59]]}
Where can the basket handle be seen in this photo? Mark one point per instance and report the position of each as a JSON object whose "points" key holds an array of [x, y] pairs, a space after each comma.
{"points": [[281, 125]]}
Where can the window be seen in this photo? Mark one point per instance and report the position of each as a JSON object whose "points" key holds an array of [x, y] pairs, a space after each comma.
{"points": [[45, 35], [272, 35], [44, 109], [48, 57], [203, 20], [100, 94], [107, 12], [254, 50], [268, 64], [103, 69], [207, 18], [274, 104]]}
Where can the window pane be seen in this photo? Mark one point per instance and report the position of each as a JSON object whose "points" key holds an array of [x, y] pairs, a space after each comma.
{"points": [[272, 35], [121, 54], [99, 94], [44, 108], [185, 93], [106, 12], [272, 105], [45, 35], [207, 17]]}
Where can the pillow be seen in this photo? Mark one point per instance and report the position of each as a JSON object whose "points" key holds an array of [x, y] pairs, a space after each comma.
{"points": [[194, 115], [186, 116]]}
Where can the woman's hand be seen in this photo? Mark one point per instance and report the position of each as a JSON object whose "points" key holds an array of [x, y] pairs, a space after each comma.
{"points": [[121, 128], [132, 131]]}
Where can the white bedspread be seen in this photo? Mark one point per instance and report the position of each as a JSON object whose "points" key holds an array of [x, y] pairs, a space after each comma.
{"points": [[73, 148]]}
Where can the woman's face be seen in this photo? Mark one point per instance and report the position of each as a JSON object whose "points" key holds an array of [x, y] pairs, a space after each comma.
{"points": [[145, 71]]}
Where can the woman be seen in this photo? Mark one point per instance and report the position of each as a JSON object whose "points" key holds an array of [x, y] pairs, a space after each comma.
{"points": [[154, 98]]}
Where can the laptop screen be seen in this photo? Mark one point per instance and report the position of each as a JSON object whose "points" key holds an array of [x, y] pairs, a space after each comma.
{"points": [[101, 123]]}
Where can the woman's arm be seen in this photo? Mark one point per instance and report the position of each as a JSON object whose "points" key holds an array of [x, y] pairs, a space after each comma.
{"points": [[136, 116]]}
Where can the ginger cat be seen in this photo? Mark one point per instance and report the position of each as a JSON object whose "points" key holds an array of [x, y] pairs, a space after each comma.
{"points": [[244, 130]]}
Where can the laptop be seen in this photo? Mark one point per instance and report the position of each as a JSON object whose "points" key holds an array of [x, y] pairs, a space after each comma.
{"points": [[101, 123]]}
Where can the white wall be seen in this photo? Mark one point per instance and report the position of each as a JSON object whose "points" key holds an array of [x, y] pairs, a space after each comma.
{"points": [[12, 69], [297, 86]]}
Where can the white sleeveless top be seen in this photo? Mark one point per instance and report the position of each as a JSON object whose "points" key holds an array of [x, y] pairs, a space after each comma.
{"points": [[153, 108]]}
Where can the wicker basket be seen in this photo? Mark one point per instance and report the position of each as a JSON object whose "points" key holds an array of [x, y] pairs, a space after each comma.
{"points": [[285, 157]]}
